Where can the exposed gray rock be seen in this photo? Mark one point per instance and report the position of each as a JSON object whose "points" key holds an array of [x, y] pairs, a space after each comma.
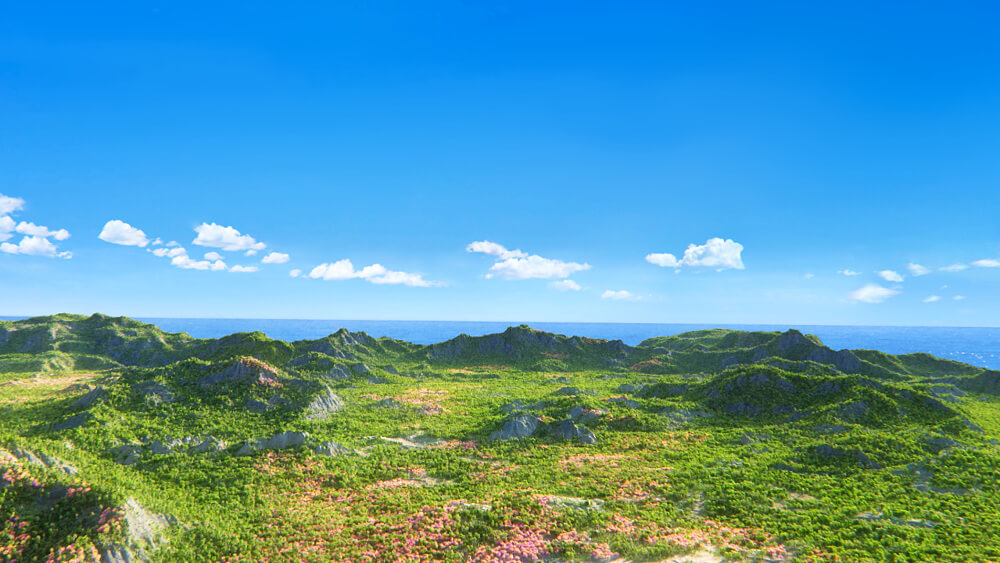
{"points": [[519, 426], [324, 405], [242, 369], [742, 409], [826, 451], [159, 448], [389, 403], [281, 441], [748, 438], [360, 369], [566, 391], [855, 411], [390, 369], [75, 421], [630, 388], [127, 454], [624, 401], [210, 444], [155, 393], [333, 449], [276, 401], [44, 460], [338, 373], [90, 398], [567, 430], [376, 380], [939, 443], [584, 414], [255, 406], [828, 388]]}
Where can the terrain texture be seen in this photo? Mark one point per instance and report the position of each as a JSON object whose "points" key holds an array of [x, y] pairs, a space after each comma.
{"points": [[120, 442]]}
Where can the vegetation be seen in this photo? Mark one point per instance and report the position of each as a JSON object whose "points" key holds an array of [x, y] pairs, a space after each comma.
{"points": [[118, 440]]}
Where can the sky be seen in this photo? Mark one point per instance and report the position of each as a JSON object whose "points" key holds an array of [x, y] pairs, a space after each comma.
{"points": [[690, 162]]}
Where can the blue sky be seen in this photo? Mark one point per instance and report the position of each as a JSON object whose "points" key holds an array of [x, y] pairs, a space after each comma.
{"points": [[783, 144]]}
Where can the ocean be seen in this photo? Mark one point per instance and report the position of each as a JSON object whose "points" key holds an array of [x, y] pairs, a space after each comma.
{"points": [[978, 346]]}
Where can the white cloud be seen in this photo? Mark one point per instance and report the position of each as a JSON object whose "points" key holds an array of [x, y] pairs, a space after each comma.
{"points": [[958, 297], [664, 260], [6, 228], [621, 295], [9, 204], [275, 258], [719, 254], [889, 275], [534, 266], [157, 242], [932, 298], [848, 273], [34, 230], [226, 238], [809, 276], [917, 269], [184, 261], [953, 268], [565, 285], [170, 252], [34, 246], [239, 268], [376, 274], [295, 273], [173, 243], [518, 265], [987, 263], [213, 256], [494, 249], [120, 232], [872, 293]]}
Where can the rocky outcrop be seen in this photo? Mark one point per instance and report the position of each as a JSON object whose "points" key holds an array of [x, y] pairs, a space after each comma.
{"points": [[518, 426], [154, 393], [72, 422], [277, 442], [324, 405], [333, 449], [90, 398], [40, 458], [527, 425], [567, 430], [243, 369]]}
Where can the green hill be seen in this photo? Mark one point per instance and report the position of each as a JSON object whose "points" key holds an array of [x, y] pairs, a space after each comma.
{"points": [[121, 442]]}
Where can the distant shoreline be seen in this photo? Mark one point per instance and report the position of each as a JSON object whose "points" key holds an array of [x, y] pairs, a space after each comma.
{"points": [[974, 345]]}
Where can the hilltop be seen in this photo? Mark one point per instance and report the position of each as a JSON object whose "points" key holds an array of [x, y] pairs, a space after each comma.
{"points": [[123, 442]]}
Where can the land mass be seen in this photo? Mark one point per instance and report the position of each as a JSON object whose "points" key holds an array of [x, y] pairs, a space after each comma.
{"points": [[121, 442]]}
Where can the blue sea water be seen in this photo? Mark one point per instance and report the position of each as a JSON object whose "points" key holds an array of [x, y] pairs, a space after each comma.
{"points": [[977, 346], [973, 345]]}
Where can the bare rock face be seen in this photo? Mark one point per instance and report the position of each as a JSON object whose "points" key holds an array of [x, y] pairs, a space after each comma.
{"points": [[155, 393], [145, 533], [519, 426], [333, 449], [567, 430], [241, 370], [93, 396], [74, 421], [276, 442], [39, 458], [324, 405], [210, 444]]}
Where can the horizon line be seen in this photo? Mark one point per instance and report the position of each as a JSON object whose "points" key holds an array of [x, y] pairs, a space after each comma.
{"points": [[510, 322]]}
